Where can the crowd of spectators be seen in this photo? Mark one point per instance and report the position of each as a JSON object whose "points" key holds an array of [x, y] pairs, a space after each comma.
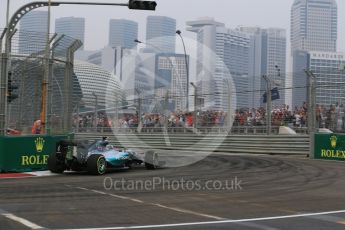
{"points": [[332, 118], [181, 119], [87, 121], [149, 120]]}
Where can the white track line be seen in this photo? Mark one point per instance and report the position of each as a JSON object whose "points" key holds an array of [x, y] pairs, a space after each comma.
{"points": [[214, 222], [185, 211], [22, 221], [188, 212]]}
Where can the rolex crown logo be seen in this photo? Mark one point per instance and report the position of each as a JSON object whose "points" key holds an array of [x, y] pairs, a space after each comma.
{"points": [[333, 141], [39, 142]]}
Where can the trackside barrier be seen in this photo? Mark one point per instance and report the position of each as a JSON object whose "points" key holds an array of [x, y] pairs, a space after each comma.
{"points": [[236, 130], [251, 144], [25, 154], [330, 147]]}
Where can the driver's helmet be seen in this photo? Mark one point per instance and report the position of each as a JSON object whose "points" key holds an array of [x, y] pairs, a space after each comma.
{"points": [[104, 142], [100, 145]]}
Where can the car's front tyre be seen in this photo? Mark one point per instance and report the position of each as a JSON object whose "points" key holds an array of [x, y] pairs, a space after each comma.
{"points": [[96, 164]]}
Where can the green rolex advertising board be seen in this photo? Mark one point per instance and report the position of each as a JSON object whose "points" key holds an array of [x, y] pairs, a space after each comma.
{"points": [[25, 154], [330, 147]]}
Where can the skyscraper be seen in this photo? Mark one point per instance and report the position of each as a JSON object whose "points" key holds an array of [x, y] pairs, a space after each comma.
{"points": [[122, 33], [314, 25], [33, 29], [71, 26], [329, 74], [267, 57], [300, 80], [160, 33], [171, 75], [222, 53], [313, 28]]}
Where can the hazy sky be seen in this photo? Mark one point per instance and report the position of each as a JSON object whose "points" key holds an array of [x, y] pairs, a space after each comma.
{"points": [[264, 13]]}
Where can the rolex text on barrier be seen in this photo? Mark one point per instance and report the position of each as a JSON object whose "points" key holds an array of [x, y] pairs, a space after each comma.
{"points": [[330, 147], [25, 154]]}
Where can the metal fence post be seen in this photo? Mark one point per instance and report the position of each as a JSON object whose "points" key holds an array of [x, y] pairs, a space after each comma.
{"points": [[116, 122], [3, 93], [309, 100], [2, 85], [195, 115], [166, 111], [313, 115], [68, 85], [268, 104], [78, 112], [95, 111], [140, 123], [311, 111], [48, 70], [230, 112], [5, 66]]}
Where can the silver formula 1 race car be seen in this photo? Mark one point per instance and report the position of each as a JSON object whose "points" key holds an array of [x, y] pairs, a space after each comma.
{"points": [[97, 157]]}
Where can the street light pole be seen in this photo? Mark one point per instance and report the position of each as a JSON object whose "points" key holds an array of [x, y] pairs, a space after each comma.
{"points": [[10, 31], [187, 67], [34, 5], [7, 13]]}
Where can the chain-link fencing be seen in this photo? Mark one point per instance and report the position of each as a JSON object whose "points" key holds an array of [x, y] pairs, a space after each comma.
{"points": [[39, 83], [158, 113]]}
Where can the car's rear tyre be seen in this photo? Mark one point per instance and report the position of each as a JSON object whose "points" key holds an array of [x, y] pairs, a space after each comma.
{"points": [[55, 165], [151, 160], [96, 164]]}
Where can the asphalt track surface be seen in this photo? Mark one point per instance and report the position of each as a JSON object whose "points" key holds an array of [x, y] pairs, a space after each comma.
{"points": [[267, 192]]}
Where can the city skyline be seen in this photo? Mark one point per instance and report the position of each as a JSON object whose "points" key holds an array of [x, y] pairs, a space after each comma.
{"points": [[232, 13]]}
